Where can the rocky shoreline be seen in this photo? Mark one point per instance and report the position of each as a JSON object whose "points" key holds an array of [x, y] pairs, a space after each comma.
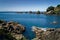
{"points": [[46, 34], [53, 10], [17, 30], [13, 28]]}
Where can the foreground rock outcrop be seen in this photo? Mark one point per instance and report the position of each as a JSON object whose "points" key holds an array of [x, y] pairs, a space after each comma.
{"points": [[13, 28], [46, 34]]}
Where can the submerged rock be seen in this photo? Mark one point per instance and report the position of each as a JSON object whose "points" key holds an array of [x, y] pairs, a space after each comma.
{"points": [[54, 22]]}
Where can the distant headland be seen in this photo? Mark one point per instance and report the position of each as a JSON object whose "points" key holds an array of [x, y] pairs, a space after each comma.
{"points": [[49, 10], [53, 10]]}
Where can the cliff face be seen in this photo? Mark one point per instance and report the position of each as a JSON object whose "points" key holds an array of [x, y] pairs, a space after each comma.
{"points": [[49, 34]]}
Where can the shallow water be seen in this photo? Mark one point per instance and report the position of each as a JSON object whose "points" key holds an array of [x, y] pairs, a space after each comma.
{"points": [[29, 20]]}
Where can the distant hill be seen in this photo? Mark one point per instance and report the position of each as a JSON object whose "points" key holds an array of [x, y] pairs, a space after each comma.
{"points": [[53, 10]]}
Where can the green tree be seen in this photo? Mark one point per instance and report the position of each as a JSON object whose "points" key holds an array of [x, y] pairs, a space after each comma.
{"points": [[38, 12], [58, 5], [50, 8], [30, 11]]}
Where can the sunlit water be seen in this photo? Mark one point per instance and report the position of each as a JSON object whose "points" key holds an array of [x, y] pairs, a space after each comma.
{"points": [[29, 20]]}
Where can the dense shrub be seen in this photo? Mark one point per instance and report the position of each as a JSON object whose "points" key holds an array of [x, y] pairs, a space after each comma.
{"points": [[50, 8]]}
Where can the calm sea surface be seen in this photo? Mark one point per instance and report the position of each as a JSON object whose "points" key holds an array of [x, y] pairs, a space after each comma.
{"points": [[29, 20]]}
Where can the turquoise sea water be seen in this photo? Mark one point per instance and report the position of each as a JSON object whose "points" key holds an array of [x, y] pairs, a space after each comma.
{"points": [[29, 20]]}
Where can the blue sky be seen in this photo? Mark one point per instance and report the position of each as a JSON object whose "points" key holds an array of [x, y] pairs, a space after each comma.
{"points": [[26, 5]]}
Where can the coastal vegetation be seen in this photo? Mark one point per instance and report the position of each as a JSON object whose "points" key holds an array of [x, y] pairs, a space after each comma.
{"points": [[38, 12], [49, 10], [53, 10]]}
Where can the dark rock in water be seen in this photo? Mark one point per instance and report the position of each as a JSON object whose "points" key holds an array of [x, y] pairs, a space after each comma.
{"points": [[54, 22], [38, 12]]}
